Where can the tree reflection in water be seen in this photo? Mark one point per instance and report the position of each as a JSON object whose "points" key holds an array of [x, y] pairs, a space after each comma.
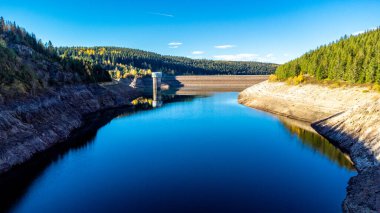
{"points": [[313, 140]]}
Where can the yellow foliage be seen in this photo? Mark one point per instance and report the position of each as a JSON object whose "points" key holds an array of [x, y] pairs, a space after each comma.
{"points": [[101, 51], [87, 51], [117, 74], [135, 102], [296, 80], [142, 101], [272, 78], [133, 72], [376, 87], [299, 79]]}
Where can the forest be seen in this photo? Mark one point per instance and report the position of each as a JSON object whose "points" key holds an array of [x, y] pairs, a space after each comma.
{"points": [[27, 65], [131, 61], [352, 59]]}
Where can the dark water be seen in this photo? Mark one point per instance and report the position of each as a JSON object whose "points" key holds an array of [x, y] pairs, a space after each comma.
{"points": [[202, 154]]}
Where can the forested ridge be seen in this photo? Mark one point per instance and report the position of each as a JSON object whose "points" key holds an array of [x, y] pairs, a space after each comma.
{"points": [[28, 66], [128, 60], [354, 59]]}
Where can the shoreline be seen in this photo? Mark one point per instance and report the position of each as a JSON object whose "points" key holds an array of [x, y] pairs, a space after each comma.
{"points": [[345, 116], [28, 127]]}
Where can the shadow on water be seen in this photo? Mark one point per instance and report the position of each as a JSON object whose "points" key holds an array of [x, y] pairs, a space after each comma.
{"points": [[16, 182], [316, 142]]}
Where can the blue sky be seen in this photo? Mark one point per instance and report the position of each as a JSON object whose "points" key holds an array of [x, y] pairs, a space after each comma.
{"points": [[272, 30]]}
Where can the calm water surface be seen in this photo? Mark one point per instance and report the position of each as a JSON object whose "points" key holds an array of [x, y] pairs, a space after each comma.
{"points": [[202, 154]]}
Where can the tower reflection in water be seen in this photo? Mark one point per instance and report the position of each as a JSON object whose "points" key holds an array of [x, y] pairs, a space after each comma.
{"points": [[157, 96]]}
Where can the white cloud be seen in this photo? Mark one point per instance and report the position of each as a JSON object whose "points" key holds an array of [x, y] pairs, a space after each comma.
{"points": [[237, 57], [197, 52], [358, 32], [163, 14], [268, 58], [363, 31], [196, 57], [225, 46], [174, 44], [246, 57]]}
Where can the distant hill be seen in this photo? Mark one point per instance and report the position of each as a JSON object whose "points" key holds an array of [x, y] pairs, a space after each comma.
{"points": [[29, 66], [111, 58], [355, 59]]}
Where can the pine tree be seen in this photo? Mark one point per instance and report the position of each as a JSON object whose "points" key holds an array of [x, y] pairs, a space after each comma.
{"points": [[2, 25]]}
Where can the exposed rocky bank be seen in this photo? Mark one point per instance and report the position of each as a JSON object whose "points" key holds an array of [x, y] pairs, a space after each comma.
{"points": [[32, 125], [349, 117]]}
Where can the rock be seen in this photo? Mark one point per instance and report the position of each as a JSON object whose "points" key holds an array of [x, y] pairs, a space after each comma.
{"points": [[363, 192]]}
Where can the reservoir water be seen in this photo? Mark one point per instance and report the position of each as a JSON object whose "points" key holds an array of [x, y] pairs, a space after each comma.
{"points": [[193, 154]]}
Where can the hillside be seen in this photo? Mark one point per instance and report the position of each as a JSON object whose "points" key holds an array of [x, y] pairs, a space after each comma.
{"points": [[354, 59], [27, 66], [128, 60]]}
